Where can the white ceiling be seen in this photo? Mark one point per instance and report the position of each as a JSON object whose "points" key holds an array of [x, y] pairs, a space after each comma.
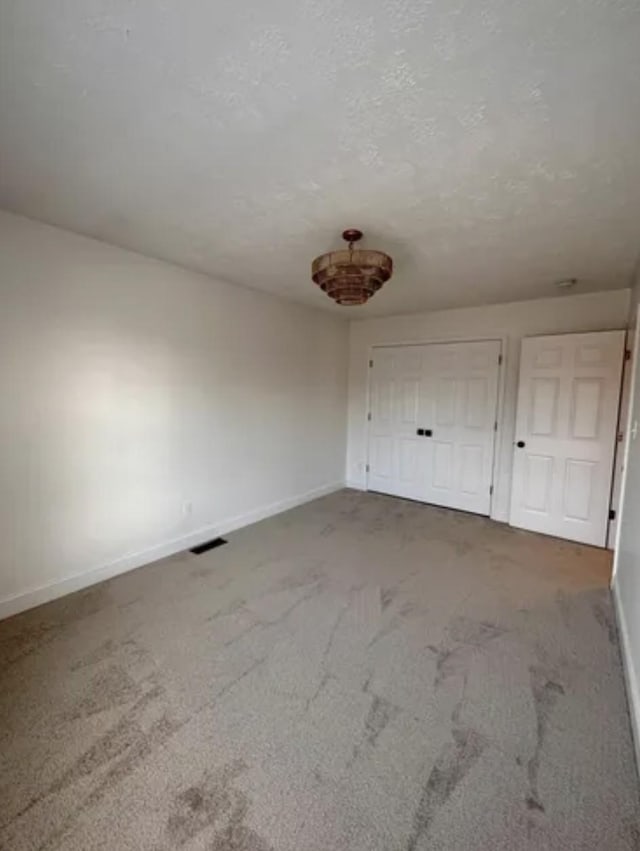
{"points": [[491, 146]]}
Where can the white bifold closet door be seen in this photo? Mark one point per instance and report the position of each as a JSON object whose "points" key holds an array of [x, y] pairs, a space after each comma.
{"points": [[432, 428], [566, 424]]}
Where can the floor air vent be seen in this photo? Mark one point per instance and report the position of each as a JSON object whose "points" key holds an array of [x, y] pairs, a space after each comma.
{"points": [[208, 545]]}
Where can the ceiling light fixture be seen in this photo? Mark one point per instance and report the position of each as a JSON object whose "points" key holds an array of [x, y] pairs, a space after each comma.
{"points": [[351, 275], [566, 283]]}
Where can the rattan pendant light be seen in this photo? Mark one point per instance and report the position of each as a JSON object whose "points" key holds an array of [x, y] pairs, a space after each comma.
{"points": [[351, 275]]}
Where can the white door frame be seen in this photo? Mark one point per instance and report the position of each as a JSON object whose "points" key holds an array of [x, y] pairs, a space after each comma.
{"points": [[619, 459], [634, 367], [631, 681], [498, 435]]}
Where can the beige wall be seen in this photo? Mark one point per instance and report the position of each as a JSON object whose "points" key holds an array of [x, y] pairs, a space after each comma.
{"points": [[512, 322], [145, 408]]}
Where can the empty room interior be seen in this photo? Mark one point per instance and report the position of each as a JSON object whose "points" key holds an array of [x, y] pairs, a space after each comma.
{"points": [[319, 410]]}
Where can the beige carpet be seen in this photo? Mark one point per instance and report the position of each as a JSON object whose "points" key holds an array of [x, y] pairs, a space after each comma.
{"points": [[361, 673]]}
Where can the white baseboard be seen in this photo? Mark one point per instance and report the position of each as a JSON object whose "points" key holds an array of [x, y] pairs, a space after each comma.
{"points": [[355, 484], [23, 600], [630, 674]]}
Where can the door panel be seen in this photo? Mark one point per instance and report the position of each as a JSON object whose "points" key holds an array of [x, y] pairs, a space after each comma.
{"points": [[578, 488], [409, 401], [409, 458], [475, 409], [443, 462], [471, 469], [544, 406], [548, 357], [585, 408], [445, 405], [451, 390], [539, 476], [567, 418], [382, 456]]}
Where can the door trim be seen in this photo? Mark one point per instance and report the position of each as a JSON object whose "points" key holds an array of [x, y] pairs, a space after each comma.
{"points": [[498, 433], [633, 339]]}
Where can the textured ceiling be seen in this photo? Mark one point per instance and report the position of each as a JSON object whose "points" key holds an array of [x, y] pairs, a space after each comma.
{"points": [[491, 146]]}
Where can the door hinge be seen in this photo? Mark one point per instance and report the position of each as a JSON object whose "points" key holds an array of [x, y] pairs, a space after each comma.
{"points": [[490, 490], [612, 514], [369, 416], [499, 360], [367, 468], [620, 436], [370, 364], [495, 426], [627, 354]]}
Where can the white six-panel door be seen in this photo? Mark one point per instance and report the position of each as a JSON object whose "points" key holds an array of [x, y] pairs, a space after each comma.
{"points": [[565, 434], [449, 392]]}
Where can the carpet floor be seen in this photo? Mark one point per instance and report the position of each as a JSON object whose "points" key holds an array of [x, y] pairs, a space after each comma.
{"points": [[360, 673]]}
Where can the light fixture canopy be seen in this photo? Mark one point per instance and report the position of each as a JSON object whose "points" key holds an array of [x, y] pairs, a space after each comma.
{"points": [[351, 275]]}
